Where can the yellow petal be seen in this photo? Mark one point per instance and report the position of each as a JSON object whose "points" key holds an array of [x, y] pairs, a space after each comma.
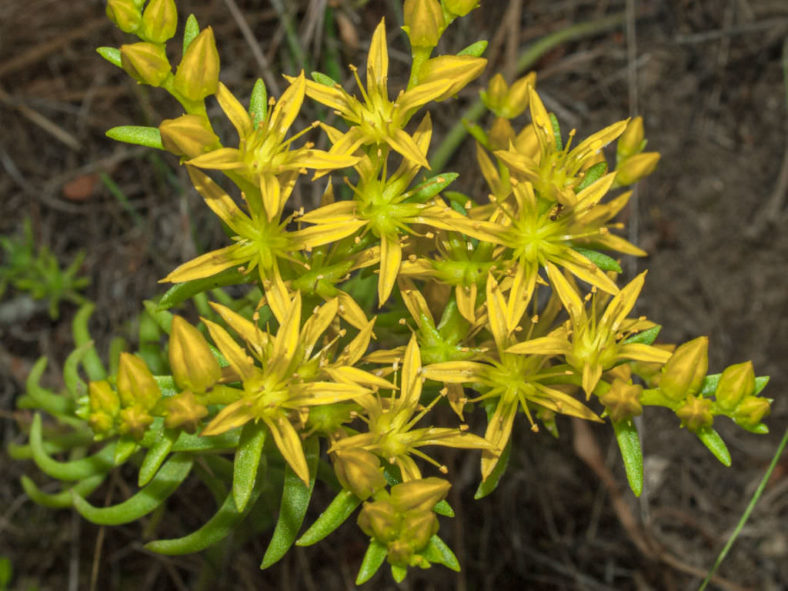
{"points": [[591, 374], [231, 416], [390, 259], [235, 112], [407, 466], [642, 352], [401, 142], [594, 143], [567, 294], [247, 330], [288, 106], [520, 293], [498, 432], [541, 121], [415, 303], [317, 324], [354, 375], [209, 264], [378, 62], [289, 444], [451, 438], [339, 211], [221, 159], [271, 192], [286, 340], [220, 202], [454, 372], [563, 403], [622, 304], [549, 345], [277, 297], [496, 314], [593, 193], [321, 234], [318, 393], [466, 301], [334, 98], [352, 312], [359, 345], [232, 351], [411, 377], [580, 266]]}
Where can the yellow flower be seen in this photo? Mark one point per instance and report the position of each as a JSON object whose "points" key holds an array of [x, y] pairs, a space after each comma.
{"points": [[596, 341], [290, 377], [378, 121], [264, 150], [391, 421]]}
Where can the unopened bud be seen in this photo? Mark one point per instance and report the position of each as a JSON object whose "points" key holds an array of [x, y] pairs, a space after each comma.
{"points": [[187, 135], [421, 494], [145, 62], [501, 134], [622, 401], [379, 520], [136, 386], [636, 167], [455, 71], [685, 371], [184, 411], [104, 406], [198, 73], [631, 141], [134, 421], [423, 22], [193, 365], [695, 413], [495, 95], [750, 411], [460, 7], [417, 529], [736, 382], [359, 472], [126, 14], [159, 21]]}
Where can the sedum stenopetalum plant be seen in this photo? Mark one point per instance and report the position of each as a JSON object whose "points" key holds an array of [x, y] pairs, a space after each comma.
{"points": [[398, 295]]}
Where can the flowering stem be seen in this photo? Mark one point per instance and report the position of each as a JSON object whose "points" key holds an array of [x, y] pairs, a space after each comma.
{"points": [[527, 58]]}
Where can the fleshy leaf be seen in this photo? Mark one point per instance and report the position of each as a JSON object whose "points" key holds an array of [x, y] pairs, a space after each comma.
{"points": [[491, 483], [645, 337], [601, 260], [712, 440], [437, 551], [373, 559], [139, 135], [247, 461], [334, 515], [629, 444]]}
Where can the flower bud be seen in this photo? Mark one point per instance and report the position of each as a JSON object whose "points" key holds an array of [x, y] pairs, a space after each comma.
{"points": [[736, 382], [379, 520], [421, 494], [495, 95], [125, 14], [417, 529], [104, 406], [159, 21], [423, 22], [501, 134], [631, 141], [187, 135], [198, 73], [455, 71], [622, 401], [527, 142], [460, 7], [183, 411], [359, 472], [636, 167], [685, 371], [134, 421], [750, 411], [193, 365], [517, 97], [695, 413], [145, 62], [136, 385]]}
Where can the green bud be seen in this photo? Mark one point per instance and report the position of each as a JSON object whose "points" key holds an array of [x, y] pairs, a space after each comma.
{"points": [[126, 14], [695, 413], [750, 411], [423, 22], [736, 382], [421, 495], [145, 62], [136, 385], [359, 472], [685, 371], [460, 7], [159, 21], [184, 411], [198, 73], [379, 520], [193, 365]]}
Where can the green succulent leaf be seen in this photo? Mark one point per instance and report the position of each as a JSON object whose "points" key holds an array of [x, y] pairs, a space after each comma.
{"points": [[714, 443], [139, 135], [629, 444], [373, 559], [247, 461], [334, 515]]}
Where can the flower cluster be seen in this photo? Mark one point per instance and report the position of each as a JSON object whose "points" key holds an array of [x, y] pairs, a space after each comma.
{"points": [[395, 297]]}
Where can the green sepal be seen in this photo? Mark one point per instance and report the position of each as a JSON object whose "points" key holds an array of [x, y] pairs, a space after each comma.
{"points": [[331, 518], [489, 485], [99, 463], [438, 552], [217, 528], [294, 503], [181, 292], [474, 49], [645, 337], [62, 499], [79, 330], [323, 79], [54, 404], [629, 444], [601, 260], [156, 455], [398, 572], [592, 175], [166, 482], [258, 102], [714, 443], [443, 508], [190, 30], [138, 135], [559, 142], [432, 186], [111, 54], [373, 559], [124, 448], [247, 461]]}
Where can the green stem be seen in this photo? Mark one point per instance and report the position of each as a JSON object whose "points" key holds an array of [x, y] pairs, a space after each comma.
{"points": [[527, 58]]}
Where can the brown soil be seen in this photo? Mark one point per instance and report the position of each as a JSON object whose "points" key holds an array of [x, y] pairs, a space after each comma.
{"points": [[708, 80]]}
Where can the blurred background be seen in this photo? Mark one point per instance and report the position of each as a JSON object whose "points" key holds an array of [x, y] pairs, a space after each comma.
{"points": [[708, 77]]}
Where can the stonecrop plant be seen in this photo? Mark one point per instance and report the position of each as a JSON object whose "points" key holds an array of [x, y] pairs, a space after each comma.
{"points": [[401, 295]]}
